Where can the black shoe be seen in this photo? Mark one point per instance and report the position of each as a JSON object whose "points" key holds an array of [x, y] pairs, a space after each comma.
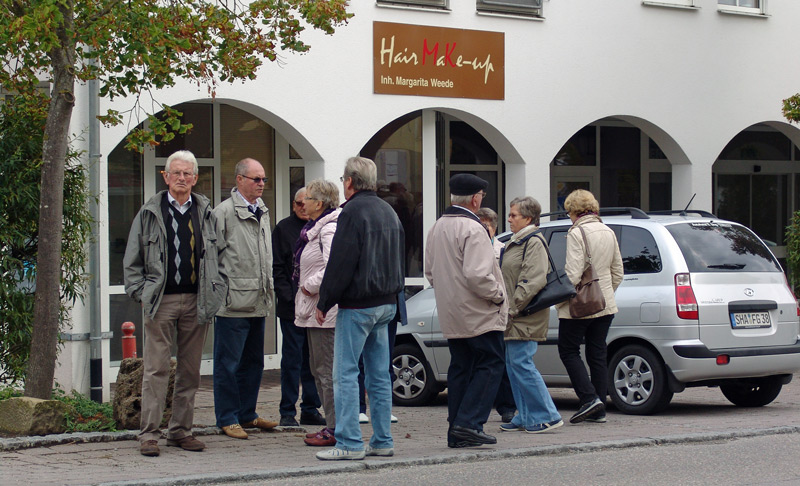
{"points": [[472, 435], [455, 443], [287, 421], [312, 419], [587, 410], [506, 417]]}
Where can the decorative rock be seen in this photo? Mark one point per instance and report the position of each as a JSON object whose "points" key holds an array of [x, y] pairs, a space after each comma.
{"points": [[32, 416], [127, 401]]}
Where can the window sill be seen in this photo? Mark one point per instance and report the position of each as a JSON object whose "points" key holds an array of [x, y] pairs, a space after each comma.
{"points": [[510, 16], [418, 8], [670, 5], [745, 13]]}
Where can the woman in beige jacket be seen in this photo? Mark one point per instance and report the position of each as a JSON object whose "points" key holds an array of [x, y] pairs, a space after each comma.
{"points": [[525, 265], [605, 257]]}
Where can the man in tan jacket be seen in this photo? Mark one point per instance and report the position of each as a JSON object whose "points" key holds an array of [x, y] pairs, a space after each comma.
{"points": [[472, 307]]}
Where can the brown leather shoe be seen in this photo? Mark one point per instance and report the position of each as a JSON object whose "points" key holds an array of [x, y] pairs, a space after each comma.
{"points": [[235, 430], [260, 423], [188, 443], [149, 448]]}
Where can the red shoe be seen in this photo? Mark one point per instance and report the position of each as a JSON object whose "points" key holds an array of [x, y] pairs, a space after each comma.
{"points": [[322, 439], [325, 430]]}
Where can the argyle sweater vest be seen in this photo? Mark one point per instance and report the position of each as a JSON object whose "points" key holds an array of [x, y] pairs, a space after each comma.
{"points": [[182, 273]]}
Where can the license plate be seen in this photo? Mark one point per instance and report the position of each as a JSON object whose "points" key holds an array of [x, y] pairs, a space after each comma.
{"points": [[742, 320]]}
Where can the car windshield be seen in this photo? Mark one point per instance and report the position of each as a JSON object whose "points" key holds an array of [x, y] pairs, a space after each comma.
{"points": [[722, 247]]}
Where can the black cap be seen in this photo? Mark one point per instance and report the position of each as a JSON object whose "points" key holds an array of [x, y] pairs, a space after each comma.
{"points": [[467, 185]]}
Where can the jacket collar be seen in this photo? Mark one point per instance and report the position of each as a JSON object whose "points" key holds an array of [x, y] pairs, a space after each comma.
{"points": [[359, 194], [521, 234]]}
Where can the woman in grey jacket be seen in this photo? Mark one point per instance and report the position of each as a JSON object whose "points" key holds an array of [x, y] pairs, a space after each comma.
{"points": [[525, 265], [605, 258]]}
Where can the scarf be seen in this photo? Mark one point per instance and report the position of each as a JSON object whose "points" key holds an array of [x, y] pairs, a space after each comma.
{"points": [[300, 245]]}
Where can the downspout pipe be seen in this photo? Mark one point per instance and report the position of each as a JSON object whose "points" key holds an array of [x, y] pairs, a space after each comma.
{"points": [[95, 332]]}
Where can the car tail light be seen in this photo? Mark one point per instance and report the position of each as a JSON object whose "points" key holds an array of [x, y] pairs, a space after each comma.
{"points": [[723, 359], [685, 301], [793, 296]]}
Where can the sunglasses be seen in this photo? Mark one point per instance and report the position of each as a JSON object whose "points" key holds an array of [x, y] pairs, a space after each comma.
{"points": [[300, 203], [256, 179]]}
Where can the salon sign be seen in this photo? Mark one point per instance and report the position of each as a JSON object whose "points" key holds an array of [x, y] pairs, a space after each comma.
{"points": [[437, 61]]}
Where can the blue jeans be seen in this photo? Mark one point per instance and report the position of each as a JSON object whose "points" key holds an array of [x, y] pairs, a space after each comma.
{"points": [[362, 332], [295, 372], [530, 393], [238, 367]]}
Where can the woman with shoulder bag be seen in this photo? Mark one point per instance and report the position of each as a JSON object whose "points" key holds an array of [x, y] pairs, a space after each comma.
{"points": [[592, 256], [525, 264]]}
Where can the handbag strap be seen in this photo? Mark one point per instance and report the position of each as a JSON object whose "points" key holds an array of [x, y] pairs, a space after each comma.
{"points": [[586, 243]]}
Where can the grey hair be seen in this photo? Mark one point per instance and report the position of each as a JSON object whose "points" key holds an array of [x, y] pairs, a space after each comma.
{"points": [[528, 207], [324, 191], [362, 172], [185, 156], [488, 214], [299, 191], [243, 165], [461, 200]]}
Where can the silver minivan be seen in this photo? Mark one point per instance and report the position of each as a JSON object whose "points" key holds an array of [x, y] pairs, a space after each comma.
{"points": [[703, 302]]}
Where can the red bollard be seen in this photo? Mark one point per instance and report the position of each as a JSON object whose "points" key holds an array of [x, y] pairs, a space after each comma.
{"points": [[128, 340]]}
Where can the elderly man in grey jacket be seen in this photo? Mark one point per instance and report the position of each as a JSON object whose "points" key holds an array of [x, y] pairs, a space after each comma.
{"points": [[171, 269], [246, 264], [471, 301]]}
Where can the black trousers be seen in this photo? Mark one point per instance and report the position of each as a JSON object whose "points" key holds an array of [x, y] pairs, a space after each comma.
{"points": [[476, 368], [573, 332]]}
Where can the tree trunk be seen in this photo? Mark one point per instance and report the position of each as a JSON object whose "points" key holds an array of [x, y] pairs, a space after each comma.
{"points": [[47, 302]]}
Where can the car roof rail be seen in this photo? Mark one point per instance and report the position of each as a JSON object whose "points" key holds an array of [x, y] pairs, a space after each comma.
{"points": [[685, 212], [635, 213]]}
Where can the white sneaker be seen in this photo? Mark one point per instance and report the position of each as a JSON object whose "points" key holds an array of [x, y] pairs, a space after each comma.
{"points": [[388, 452], [340, 454], [394, 419], [362, 418]]}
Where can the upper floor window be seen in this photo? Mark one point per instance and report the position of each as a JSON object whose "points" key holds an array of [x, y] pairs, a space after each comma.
{"points": [[415, 3], [519, 7], [743, 6]]}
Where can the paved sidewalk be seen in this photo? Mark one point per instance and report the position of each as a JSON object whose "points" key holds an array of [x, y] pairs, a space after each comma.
{"points": [[695, 415]]}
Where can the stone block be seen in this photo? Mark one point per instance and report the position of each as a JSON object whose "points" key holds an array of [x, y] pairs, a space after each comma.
{"points": [[127, 400], [32, 416]]}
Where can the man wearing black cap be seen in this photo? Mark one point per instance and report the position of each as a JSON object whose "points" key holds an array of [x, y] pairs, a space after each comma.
{"points": [[470, 298]]}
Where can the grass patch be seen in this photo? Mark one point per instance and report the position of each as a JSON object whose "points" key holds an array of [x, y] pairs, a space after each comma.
{"points": [[85, 415]]}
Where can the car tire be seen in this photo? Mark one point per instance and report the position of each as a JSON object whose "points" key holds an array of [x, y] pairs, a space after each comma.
{"points": [[755, 392], [637, 381], [414, 383]]}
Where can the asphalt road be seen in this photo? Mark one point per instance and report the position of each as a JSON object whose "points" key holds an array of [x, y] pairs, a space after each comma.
{"points": [[753, 461]]}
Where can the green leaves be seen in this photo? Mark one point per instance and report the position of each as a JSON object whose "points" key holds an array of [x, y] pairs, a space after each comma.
{"points": [[791, 108], [21, 136]]}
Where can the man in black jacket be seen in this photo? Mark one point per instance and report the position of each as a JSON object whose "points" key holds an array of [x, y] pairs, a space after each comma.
{"points": [[364, 276], [294, 350]]}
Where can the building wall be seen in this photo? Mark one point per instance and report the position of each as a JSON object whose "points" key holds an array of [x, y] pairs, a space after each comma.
{"points": [[691, 79]]}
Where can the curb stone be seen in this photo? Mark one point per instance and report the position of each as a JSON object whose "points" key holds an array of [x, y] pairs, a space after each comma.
{"points": [[29, 442], [474, 455]]}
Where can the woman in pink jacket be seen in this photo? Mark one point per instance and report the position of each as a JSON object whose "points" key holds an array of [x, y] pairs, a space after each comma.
{"points": [[311, 257]]}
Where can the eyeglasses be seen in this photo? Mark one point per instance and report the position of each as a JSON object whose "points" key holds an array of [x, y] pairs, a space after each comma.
{"points": [[482, 193], [299, 203], [256, 179], [311, 198], [185, 174]]}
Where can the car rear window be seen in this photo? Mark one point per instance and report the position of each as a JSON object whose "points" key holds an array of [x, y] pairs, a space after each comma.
{"points": [[722, 247]]}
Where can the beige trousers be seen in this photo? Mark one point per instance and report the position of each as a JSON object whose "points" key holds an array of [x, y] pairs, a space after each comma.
{"points": [[320, 360], [178, 313]]}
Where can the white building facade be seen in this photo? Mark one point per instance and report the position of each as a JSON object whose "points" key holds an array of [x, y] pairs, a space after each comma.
{"points": [[646, 104]]}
